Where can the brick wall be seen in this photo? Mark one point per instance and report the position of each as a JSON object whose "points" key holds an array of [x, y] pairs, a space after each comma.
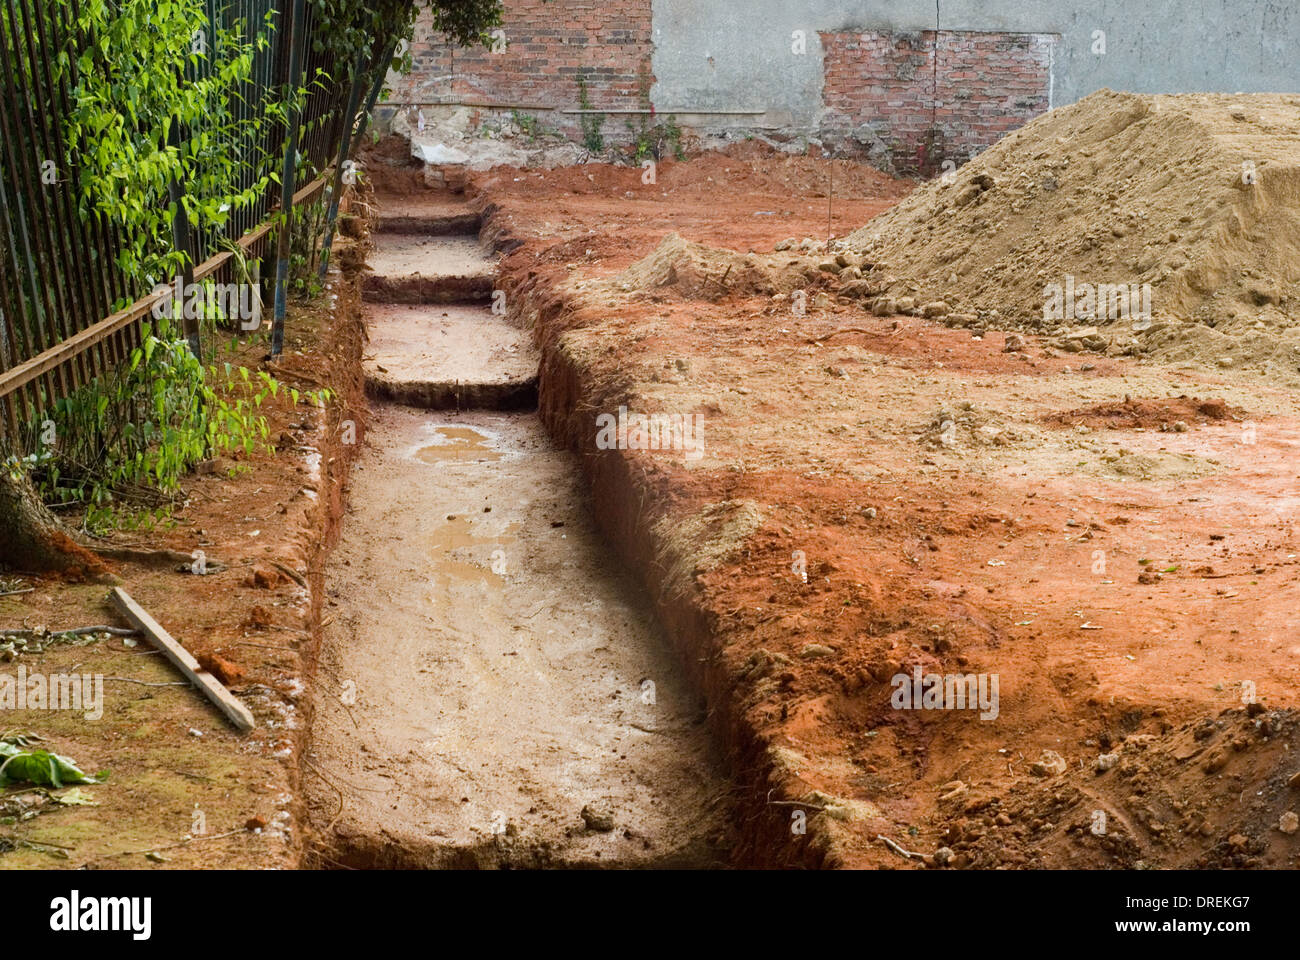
{"points": [[880, 92], [548, 48]]}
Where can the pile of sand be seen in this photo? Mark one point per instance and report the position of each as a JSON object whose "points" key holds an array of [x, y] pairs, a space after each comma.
{"points": [[1196, 195]]}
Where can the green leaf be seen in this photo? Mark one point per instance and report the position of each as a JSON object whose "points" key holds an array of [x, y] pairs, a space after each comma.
{"points": [[40, 767]]}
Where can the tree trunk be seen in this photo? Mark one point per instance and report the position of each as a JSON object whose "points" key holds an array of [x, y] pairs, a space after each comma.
{"points": [[33, 540]]}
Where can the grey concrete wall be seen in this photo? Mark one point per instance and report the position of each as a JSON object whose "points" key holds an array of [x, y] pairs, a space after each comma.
{"points": [[736, 54]]}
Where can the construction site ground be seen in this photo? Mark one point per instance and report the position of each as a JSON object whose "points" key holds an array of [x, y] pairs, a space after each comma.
{"points": [[1112, 536], [1108, 531]]}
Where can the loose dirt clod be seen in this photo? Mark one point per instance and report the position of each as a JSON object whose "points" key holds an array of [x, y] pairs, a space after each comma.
{"points": [[598, 818], [695, 272]]}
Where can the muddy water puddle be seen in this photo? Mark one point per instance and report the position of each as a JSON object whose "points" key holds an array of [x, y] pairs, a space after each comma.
{"points": [[457, 444], [468, 550]]}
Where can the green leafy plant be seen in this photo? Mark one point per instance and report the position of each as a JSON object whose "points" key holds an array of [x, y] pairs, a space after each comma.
{"points": [[672, 137], [528, 125], [18, 764], [308, 224], [157, 103], [653, 140], [592, 123], [125, 441], [656, 142]]}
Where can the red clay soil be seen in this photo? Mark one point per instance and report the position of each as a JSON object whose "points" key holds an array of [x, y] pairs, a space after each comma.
{"points": [[748, 196], [1134, 414], [960, 511]]}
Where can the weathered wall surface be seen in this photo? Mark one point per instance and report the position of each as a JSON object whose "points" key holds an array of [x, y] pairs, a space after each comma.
{"points": [[738, 53], [919, 99], [854, 71], [550, 57]]}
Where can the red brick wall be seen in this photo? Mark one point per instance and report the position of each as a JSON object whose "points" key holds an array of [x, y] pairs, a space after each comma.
{"points": [[548, 47], [987, 84]]}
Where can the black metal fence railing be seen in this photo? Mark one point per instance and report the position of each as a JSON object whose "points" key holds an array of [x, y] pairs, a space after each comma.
{"points": [[70, 310]]}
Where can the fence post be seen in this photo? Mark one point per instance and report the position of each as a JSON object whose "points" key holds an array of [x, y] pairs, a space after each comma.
{"points": [[181, 242], [354, 97], [376, 90], [296, 37]]}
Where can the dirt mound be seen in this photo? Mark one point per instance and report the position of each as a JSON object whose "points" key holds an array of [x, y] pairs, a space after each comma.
{"points": [[1191, 202], [1141, 414], [964, 426], [693, 271], [1218, 793]]}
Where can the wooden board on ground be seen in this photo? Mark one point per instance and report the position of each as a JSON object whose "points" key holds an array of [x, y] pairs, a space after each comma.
{"points": [[184, 661]]}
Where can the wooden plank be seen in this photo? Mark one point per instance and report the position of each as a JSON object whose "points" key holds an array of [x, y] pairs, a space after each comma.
{"points": [[184, 661], [47, 360]]}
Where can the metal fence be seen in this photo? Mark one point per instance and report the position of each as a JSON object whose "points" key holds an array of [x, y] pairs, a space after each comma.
{"points": [[69, 312]]}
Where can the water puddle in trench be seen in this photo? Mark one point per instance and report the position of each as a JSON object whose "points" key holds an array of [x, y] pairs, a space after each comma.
{"points": [[459, 443]]}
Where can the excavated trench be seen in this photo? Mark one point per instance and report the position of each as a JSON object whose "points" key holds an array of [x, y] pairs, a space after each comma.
{"points": [[493, 691]]}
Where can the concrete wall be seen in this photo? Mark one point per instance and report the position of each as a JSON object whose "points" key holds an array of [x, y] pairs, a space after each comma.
{"points": [[736, 54], [864, 77]]}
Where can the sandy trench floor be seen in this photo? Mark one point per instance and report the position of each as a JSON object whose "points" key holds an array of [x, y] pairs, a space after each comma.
{"points": [[493, 690]]}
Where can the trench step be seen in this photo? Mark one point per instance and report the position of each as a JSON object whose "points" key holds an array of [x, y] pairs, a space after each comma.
{"points": [[453, 357], [414, 289], [430, 225], [428, 269], [507, 396], [430, 215]]}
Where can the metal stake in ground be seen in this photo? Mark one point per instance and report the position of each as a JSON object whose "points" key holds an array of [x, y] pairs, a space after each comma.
{"points": [[181, 242], [381, 74], [830, 202], [296, 37]]}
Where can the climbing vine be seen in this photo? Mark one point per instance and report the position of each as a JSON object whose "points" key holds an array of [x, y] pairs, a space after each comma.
{"points": [[155, 104]]}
